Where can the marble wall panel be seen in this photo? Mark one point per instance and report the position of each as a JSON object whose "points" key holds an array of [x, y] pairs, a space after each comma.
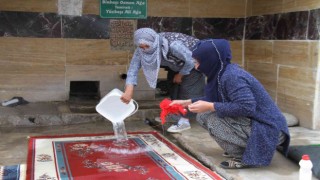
{"points": [[314, 25], [32, 66], [231, 29], [300, 108], [169, 8], [32, 51], [28, 24], [52, 25], [293, 53], [296, 92], [249, 8], [108, 76], [292, 25], [216, 8], [85, 27], [286, 26], [298, 5], [93, 52], [29, 5], [258, 51], [29, 82], [34, 96], [315, 54], [33, 87], [91, 7], [260, 27], [237, 51], [167, 24], [266, 74], [297, 82], [316, 114], [317, 99], [263, 7]]}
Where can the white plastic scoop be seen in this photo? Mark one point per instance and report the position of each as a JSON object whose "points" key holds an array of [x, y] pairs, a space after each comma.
{"points": [[112, 108]]}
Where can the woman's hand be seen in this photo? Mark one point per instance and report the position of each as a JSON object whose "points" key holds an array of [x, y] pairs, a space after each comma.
{"points": [[184, 103], [201, 106], [177, 78], [127, 95]]}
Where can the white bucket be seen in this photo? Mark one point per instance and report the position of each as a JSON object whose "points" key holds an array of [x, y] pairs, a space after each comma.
{"points": [[112, 108]]}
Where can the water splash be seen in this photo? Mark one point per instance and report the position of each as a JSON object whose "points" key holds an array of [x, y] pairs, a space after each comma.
{"points": [[137, 150], [123, 151], [120, 131]]}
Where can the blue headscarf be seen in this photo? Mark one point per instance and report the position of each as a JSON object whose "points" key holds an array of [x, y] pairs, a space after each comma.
{"points": [[213, 56]]}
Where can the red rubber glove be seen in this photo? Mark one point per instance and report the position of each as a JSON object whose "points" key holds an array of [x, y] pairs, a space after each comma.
{"points": [[166, 109]]}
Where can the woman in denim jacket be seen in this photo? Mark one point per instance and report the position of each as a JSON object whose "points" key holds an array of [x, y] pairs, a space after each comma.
{"points": [[172, 51]]}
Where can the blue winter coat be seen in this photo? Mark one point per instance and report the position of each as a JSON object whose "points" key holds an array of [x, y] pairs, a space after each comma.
{"points": [[245, 96]]}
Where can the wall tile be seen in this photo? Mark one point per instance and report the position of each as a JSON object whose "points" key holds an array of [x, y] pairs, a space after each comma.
{"points": [[296, 93], [300, 108], [29, 24], [32, 68], [231, 29], [298, 5], [108, 76], [314, 54], [249, 8], [236, 49], [292, 25], [260, 27], [316, 113], [216, 8], [167, 24], [293, 53], [297, 82], [314, 25], [258, 51], [31, 95], [91, 7], [29, 5], [168, 8], [32, 51], [266, 74], [93, 52], [85, 27], [286, 26], [262, 7]]}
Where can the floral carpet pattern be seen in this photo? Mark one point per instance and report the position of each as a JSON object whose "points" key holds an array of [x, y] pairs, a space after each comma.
{"points": [[146, 155]]}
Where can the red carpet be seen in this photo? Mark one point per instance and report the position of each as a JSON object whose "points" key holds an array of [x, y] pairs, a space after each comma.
{"points": [[146, 155]]}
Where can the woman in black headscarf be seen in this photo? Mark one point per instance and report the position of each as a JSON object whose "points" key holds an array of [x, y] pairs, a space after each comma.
{"points": [[236, 109]]}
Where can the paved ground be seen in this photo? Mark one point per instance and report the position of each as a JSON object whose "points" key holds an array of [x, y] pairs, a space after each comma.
{"points": [[17, 123]]}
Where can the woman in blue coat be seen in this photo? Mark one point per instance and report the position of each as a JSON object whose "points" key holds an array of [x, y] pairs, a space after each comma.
{"points": [[236, 109]]}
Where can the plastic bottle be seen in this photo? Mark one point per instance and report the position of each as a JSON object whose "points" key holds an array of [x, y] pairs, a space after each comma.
{"points": [[305, 172]]}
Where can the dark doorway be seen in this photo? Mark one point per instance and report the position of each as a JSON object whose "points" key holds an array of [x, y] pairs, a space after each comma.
{"points": [[85, 90], [84, 96]]}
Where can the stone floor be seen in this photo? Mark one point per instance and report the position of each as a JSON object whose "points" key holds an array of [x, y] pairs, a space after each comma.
{"points": [[18, 123]]}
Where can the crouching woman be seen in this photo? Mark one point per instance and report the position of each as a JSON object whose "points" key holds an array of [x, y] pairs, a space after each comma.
{"points": [[236, 109]]}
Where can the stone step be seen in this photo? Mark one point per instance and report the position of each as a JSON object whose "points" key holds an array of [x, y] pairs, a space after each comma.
{"points": [[65, 113]]}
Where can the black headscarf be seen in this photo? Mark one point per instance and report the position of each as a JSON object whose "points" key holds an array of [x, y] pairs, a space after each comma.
{"points": [[213, 56]]}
